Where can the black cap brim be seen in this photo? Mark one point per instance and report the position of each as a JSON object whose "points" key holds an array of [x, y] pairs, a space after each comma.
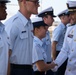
{"points": [[54, 16], [46, 13], [4, 1], [40, 23]]}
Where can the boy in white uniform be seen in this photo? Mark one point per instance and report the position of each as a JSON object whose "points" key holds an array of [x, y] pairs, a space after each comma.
{"points": [[39, 57]]}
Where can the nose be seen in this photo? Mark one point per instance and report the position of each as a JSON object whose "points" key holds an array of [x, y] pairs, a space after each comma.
{"points": [[4, 6], [38, 5]]}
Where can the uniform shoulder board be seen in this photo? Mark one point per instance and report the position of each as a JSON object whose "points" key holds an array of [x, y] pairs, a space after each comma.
{"points": [[71, 25]]}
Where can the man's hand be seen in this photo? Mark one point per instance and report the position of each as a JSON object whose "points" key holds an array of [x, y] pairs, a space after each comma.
{"points": [[54, 66]]}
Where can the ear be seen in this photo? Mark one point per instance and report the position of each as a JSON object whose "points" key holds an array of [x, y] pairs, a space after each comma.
{"points": [[61, 17], [44, 18], [36, 30], [64, 17]]}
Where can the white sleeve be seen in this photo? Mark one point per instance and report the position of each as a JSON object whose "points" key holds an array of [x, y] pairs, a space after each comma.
{"points": [[36, 54], [13, 34], [64, 52]]}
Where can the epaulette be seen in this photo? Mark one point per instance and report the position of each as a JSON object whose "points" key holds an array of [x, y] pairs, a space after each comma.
{"points": [[71, 25]]}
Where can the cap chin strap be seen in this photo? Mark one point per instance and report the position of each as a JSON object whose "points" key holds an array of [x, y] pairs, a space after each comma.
{"points": [[72, 9]]}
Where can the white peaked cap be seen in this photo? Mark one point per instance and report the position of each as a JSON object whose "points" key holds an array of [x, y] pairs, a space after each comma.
{"points": [[71, 3], [36, 19], [64, 12], [47, 11]]}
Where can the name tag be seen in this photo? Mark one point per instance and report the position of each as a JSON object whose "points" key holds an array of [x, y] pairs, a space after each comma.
{"points": [[23, 31], [70, 36]]}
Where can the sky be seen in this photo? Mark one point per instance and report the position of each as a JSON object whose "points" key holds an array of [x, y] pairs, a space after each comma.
{"points": [[58, 5]]}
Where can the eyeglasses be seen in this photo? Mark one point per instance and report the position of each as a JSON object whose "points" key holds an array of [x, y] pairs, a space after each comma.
{"points": [[36, 2]]}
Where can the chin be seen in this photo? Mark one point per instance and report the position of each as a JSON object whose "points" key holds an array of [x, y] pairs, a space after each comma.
{"points": [[3, 18], [35, 13], [44, 36]]}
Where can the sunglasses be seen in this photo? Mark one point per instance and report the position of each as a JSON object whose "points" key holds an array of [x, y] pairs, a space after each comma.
{"points": [[36, 2]]}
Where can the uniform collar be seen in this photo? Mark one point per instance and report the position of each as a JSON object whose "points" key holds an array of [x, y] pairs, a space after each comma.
{"points": [[2, 27], [63, 26], [47, 32], [38, 40], [23, 18]]}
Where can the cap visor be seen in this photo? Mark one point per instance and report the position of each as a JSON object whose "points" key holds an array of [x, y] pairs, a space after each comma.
{"points": [[54, 16], [6, 1]]}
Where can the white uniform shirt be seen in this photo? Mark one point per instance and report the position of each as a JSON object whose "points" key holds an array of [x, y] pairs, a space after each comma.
{"points": [[8, 25], [68, 50], [4, 47], [21, 39], [38, 52], [47, 46]]}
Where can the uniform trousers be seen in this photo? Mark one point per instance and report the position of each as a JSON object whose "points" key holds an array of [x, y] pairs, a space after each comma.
{"points": [[62, 68], [49, 72], [39, 73], [21, 69]]}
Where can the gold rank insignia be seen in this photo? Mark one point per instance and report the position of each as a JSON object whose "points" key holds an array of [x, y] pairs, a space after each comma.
{"points": [[70, 35]]}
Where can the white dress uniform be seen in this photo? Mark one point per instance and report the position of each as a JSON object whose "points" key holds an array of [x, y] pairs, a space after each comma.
{"points": [[47, 46], [4, 48], [68, 51], [21, 37], [38, 52]]}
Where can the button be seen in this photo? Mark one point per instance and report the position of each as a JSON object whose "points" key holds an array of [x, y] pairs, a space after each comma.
{"points": [[70, 60], [69, 70], [7, 37], [72, 50]]}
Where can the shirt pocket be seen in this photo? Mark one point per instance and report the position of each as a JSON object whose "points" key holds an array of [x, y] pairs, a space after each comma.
{"points": [[24, 35], [69, 40]]}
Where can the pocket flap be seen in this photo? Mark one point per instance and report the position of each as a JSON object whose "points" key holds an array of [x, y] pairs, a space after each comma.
{"points": [[24, 35]]}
